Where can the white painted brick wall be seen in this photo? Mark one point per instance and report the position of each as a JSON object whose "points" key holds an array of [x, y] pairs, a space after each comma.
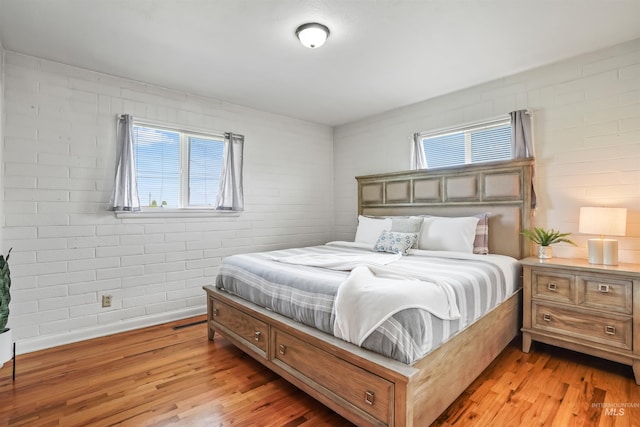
{"points": [[59, 155], [27, 206], [586, 131]]}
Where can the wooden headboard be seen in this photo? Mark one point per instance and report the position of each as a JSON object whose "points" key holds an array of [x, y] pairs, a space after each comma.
{"points": [[502, 188]]}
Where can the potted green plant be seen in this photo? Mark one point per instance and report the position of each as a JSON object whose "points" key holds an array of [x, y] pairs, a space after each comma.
{"points": [[5, 298], [544, 238]]}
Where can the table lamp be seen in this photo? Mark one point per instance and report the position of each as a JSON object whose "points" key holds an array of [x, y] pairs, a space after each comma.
{"points": [[605, 222]]}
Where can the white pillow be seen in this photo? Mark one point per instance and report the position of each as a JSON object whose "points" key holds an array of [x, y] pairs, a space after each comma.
{"points": [[448, 234], [369, 229]]}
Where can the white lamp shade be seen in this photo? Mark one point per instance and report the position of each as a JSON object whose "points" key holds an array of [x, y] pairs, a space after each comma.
{"points": [[603, 221], [312, 35]]}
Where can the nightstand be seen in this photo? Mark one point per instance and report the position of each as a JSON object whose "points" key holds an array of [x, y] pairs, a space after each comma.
{"points": [[593, 309]]}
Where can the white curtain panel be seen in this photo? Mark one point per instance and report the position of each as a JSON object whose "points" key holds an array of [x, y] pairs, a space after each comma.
{"points": [[125, 188], [522, 138], [521, 134], [418, 159], [230, 194]]}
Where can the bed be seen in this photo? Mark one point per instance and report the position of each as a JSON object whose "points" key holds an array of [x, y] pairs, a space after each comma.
{"points": [[378, 381]]}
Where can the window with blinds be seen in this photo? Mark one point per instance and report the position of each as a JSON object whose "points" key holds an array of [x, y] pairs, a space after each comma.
{"points": [[486, 142], [177, 169]]}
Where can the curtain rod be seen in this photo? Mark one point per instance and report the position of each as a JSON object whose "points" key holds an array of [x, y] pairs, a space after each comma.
{"points": [[175, 126], [462, 127]]}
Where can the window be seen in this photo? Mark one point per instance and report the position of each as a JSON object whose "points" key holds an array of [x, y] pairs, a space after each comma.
{"points": [[485, 142], [177, 169]]}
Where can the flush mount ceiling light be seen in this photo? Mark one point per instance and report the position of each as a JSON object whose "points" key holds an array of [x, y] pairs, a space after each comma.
{"points": [[312, 35]]}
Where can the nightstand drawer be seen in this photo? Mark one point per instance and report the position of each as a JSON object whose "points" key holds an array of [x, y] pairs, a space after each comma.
{"points": [[606, 294], [612, 330], [555, 287]]}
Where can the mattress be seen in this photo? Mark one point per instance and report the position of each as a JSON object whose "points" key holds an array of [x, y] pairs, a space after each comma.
{"points": [[306, 294]]}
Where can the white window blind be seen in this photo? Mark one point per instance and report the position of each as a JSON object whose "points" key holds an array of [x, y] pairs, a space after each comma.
{"points": [[205, 167], [445, 150], [176, 169], [484, 142]]}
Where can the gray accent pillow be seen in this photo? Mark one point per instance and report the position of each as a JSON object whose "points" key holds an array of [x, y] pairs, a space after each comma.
{"points": [[406, 225]]}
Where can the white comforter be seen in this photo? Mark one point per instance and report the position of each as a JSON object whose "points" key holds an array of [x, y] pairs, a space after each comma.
{"points": [[375, 291]]}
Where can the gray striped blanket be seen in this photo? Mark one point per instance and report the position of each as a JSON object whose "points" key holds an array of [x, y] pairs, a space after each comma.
{"points": [[307, 294]]}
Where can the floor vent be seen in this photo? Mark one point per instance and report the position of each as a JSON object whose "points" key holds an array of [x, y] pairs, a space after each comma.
{"points": [[175, 328]]}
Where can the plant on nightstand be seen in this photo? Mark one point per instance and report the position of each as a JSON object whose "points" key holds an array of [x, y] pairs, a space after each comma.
{"points": [[545, 238], [5, 299]]}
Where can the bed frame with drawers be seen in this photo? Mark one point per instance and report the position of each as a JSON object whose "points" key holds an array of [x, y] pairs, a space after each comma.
{"points": [[365, 387]]}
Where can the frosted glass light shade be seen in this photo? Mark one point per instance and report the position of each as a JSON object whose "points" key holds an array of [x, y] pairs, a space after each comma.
{"points": [[312, 35]]}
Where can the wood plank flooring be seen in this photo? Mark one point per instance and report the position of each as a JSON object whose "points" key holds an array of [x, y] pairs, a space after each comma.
{"points": [[164, 376]]}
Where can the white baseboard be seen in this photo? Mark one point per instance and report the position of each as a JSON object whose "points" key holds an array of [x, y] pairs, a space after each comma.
{"points": [[40, 343]]}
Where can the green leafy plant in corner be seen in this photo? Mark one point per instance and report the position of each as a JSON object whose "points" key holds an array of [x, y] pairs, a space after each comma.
{"points": [[545, 237], [5, 287]]}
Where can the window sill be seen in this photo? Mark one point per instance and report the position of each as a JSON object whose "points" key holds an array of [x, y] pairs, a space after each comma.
{"points": [[177, 213]]}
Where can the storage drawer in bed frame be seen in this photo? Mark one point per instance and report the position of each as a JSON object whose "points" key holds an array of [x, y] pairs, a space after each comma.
{"points": [[366, 391], [368, 394], [253, 332], [362, 386]]}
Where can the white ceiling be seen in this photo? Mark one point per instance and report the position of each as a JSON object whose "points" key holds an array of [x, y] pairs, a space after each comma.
{"points": [[380, 55]]}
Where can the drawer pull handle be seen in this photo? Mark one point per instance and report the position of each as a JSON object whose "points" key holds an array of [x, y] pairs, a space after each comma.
{"points": [[282, 349], [610, 330], [552, 286], [369, 398], [214, 312], [257, 335], [603, 287], [546, 317]]}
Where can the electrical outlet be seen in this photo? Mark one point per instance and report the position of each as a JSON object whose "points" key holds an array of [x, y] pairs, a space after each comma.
{"points": [[106, 300]]}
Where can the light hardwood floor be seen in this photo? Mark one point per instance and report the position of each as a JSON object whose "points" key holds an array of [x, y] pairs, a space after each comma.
{"points": [[163, 376]]}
